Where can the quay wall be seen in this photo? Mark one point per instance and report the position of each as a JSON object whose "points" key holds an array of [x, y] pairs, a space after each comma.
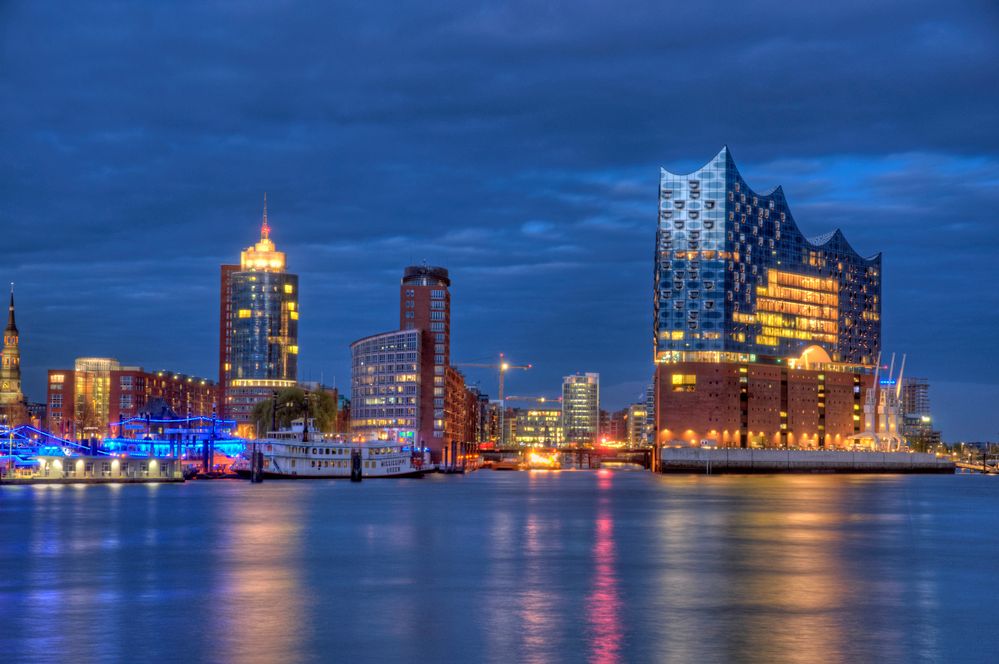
{"points": [[739, 460]]}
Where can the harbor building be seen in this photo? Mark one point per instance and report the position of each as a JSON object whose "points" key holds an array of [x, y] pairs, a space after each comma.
{"points": [[761, 336], [581, 408], [90, 400], [13, 409], [258, 329], [421, 399]]}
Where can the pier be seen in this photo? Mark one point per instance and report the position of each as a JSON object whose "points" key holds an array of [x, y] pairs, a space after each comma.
{"points": [[713, 461]]}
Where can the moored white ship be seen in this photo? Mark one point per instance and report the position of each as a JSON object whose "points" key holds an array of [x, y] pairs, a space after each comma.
{"points": [[313, 455]]}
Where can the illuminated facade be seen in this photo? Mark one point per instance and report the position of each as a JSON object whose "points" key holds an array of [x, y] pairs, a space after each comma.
{"points": [[581, 408], [258, 333], [736, 278], [538, 427], [762, 337], [92, 398], [385, 385]]}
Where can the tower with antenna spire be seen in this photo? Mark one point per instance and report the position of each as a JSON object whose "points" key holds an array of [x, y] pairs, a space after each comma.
{"points": [[258, 328]]}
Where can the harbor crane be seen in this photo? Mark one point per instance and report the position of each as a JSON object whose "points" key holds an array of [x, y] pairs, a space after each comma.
{"points": [[501, 367]]}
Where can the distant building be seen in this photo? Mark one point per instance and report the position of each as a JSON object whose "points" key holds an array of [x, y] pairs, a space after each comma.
{"points": [[917, 418], [539, 427], [13, 409], [491, 423], [650, 413], [614, 426], [581, 408], [636, 425], [258, 329], [481, 414], [762, 337], [37, 412], [91, 400]]}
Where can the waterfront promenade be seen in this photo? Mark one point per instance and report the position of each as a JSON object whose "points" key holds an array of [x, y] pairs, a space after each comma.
{"points": [[609, 566]]}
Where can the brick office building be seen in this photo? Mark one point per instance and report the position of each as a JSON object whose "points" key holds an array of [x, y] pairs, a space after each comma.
{"points": [[403, 385]]}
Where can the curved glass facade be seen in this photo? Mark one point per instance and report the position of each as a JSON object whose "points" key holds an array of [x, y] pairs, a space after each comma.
{"points": [[736, 279], [385, 384]]}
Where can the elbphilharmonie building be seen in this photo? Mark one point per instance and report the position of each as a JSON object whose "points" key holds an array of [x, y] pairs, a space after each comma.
{"points": [[762, 336]]}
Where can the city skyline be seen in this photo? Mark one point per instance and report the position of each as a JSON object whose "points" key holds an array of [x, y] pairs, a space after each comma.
{"points": [[122, 214]]}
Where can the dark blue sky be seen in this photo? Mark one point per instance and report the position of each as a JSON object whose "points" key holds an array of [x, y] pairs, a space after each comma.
{"points": [[517, 144]]}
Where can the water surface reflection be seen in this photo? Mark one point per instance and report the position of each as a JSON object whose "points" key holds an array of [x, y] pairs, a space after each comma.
{"points": [[500, 567]]}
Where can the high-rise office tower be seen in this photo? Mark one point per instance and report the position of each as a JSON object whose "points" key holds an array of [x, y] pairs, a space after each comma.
{"points": [[425, 305], [581, 408], [258, 349], [762, 336]]}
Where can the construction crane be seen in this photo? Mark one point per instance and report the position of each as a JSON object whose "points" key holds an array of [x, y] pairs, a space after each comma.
{"points": [[501, 367]]}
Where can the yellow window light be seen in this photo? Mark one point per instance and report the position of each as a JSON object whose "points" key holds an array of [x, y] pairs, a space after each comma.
{"points": [[244, 313]]}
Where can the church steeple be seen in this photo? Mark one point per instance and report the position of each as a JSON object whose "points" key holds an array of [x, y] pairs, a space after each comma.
{"points": [[11, 325], [10, 366]]}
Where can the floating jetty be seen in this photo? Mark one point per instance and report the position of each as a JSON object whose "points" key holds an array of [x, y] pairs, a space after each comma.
{"points": [[86, 469], [712, 461]]}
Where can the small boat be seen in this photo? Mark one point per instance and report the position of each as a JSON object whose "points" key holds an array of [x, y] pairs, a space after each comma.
{"points": [[313, 455]]}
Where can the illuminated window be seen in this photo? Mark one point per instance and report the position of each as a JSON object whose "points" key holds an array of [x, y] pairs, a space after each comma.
{"points": [[683, 382], [244, 313], [288, 288]]}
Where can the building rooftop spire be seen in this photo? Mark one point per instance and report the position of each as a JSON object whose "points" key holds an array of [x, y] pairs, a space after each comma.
{"points": [[11, 325], [263, 256], [265, 229]]}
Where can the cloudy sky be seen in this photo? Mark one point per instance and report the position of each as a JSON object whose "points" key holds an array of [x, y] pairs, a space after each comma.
{"points": [[517, 144]]}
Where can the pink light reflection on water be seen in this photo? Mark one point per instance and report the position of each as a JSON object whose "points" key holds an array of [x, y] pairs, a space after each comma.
{"points": [[603, 604]]}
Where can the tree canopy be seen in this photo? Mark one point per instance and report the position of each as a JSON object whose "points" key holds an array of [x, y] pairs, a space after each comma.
{"points": [[294, 403]]}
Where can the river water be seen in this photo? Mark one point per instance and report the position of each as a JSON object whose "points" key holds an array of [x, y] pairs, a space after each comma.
{"points": [[600, 566]]}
